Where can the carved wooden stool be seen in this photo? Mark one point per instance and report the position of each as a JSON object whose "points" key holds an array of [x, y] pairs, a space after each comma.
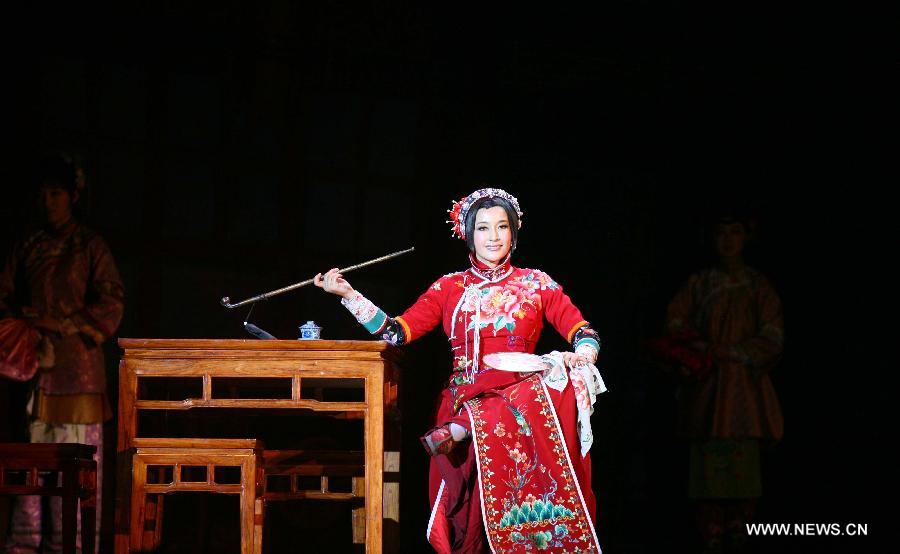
{"points": [[22, 465], [159, 467]]}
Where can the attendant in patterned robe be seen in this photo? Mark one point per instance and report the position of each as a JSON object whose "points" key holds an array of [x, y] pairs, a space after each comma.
{"points": [[523, 481], [736, 313], [62, 280]]}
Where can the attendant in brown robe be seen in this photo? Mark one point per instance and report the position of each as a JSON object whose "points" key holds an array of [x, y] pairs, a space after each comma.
{"points": [[727, 412], [63, 281]]}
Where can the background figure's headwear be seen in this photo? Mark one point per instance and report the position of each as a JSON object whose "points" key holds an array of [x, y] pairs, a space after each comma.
{"points": [[61, 169], [461, 207], [78, 167]]}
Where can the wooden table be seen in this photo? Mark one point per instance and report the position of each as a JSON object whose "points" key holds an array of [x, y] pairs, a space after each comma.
{"points": [[370, 364]]}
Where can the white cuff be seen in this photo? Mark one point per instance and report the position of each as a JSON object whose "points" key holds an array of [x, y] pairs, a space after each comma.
{"points": [[361, 307]]}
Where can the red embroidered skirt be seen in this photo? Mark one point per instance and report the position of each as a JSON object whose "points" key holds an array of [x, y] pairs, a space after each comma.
{"points": [[520, 483]]}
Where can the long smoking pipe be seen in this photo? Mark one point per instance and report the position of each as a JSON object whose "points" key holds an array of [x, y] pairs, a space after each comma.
{"points": [[226, 301]]}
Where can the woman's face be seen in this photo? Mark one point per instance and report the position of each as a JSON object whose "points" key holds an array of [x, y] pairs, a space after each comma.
{"points": [[56, 204], [730, 239], [492, 235]]}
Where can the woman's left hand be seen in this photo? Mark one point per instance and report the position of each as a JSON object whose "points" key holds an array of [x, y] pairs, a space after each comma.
{"points": [[573, 360]]}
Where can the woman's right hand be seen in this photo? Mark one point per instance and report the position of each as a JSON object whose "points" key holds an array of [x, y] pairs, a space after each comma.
{"points": [[333, 282]]}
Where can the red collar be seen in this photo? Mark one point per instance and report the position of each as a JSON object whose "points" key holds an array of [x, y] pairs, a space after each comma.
{"points": [[502, 270]]}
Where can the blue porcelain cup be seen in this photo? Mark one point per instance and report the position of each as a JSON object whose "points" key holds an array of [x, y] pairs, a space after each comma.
{"points": [[310, 331]]}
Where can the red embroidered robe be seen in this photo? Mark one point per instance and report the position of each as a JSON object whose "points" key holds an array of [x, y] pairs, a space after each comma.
{"points": [[521, 483], [70, 275]]}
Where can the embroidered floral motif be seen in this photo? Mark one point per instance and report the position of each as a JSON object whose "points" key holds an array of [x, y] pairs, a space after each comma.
{"points": [[501, 306], [361, 307], [542, 539], [393, 333], [582, 397], [544, 280], [535, 512], [458, 378], [529, 494], [518, 457], [460, 374], [524, 428]]}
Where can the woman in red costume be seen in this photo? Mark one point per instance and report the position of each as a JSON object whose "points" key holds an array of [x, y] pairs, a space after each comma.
{"points": [[510, 468]]}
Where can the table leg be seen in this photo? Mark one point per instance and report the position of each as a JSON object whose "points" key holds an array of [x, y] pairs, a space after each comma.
{"points": [[69, 521], [138, 500], [248, 506], [127, 429], [89, 525], [374, 430], [358, 513]]}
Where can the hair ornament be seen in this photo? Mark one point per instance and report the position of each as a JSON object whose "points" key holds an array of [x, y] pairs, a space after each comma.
{"points": [[460, 208]]}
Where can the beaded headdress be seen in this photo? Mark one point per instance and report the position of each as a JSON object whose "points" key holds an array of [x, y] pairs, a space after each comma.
{"points": [[460, 208]]}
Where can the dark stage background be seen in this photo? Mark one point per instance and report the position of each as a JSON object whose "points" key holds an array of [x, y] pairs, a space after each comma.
{"points": [[237, 148]]}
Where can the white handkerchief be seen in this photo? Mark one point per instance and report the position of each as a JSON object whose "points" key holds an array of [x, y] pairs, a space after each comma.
{"points": [[588, 384]]}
